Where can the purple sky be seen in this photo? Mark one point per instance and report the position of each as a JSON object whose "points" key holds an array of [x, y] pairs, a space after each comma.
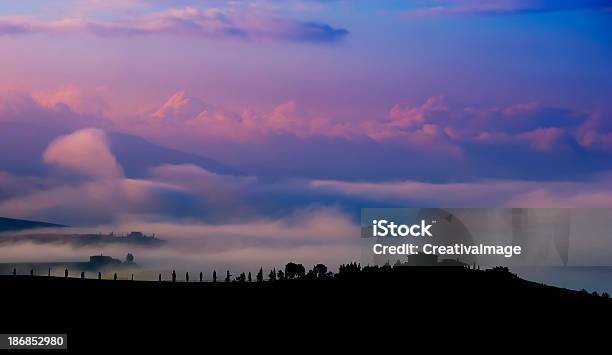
{"points": [[131, 111]]}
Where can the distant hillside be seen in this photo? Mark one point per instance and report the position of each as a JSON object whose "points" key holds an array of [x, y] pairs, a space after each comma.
{"points": [[10, 224], [135, 154]]}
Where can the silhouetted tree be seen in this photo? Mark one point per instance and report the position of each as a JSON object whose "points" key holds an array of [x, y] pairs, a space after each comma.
{"points": [[49, 272], [173, 276], [260, 275], [320, 271], [187, 277], [14, 272], [214, 275], [228, 276], [250, 279], [605, 295], [82, 274], [354, 268], [66, 273], [242, 277], [272, 275], [281, 275], [293, 270], [99, 275], [31, 272], [132, 277], [115, 277], [159, 277], [201, 276]]}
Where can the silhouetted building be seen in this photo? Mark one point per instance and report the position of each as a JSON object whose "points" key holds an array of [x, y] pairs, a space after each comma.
{"points": [[103, 260]]}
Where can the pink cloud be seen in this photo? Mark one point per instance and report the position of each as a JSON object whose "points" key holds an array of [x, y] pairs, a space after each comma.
{"points": [[68, 108], [434, 125], [86, 152], [187, 115], [542, 128], [190, 21], [403, 117], [201, 118], [75, 98], [181, 107], [290, 138], [434, 128], [596, 132], [545, 139]]}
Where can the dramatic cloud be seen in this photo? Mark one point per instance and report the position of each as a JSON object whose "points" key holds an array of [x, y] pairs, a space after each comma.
{"points": [[86, 152], [182, 113], [74, 98], [215, 220], [435, 123], [435, 137], [209, 219], [290, 139], [100, 193], [542, 128], [181, 107], [280, 144], [65, 109], [190, 21]]}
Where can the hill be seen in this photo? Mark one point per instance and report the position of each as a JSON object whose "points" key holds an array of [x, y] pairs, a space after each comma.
{"points": [[134, 153], [345, 310], [11, 224]]}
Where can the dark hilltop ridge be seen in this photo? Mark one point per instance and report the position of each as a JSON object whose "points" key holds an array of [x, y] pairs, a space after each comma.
{"points": [[260, 307], [14, 231], [12, 224]]}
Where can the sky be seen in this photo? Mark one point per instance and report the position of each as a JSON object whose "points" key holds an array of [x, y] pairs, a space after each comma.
{"points": [[260, 113]]}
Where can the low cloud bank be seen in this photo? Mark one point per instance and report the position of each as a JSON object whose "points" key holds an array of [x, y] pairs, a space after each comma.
{"points": [[309, 236], [210, 23], [238, 222]]}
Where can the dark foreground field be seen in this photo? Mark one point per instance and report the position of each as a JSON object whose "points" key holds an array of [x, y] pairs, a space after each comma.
{"points": [[352, 309]]}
